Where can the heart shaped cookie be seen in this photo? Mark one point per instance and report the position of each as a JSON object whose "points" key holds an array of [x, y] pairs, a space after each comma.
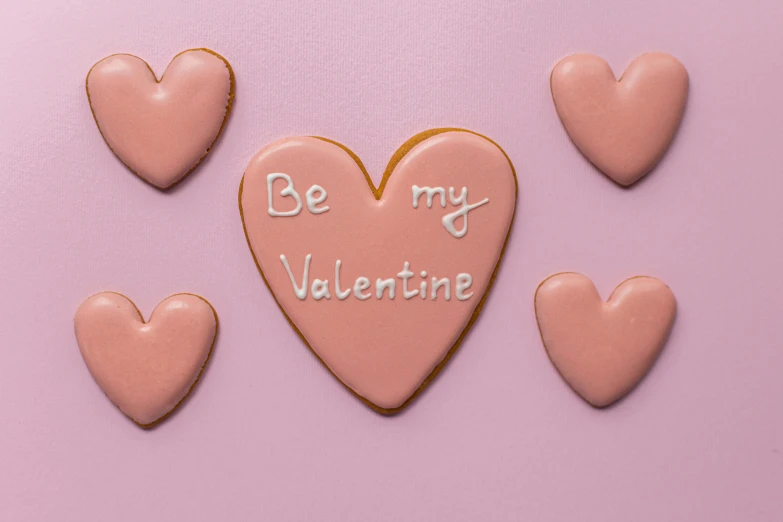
{"points": [[161, 130], [603, 349], [622, 127], [146, 369], [381, 284]]}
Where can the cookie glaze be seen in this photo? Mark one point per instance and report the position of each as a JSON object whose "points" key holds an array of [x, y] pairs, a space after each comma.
{"points": [[161, 130], [622, 127], [603, 349], [146, 369], [381, 284]]}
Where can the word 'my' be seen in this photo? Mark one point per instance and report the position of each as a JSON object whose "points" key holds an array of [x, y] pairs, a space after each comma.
{"points": [[449, 219]]}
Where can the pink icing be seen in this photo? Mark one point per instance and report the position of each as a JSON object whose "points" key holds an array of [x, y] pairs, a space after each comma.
{"points": [[161, 130], [146, 369], [623, 127], [382, 349], [603, 349]]}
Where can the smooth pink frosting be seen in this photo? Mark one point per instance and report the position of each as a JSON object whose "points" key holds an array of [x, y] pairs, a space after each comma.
{"points": [[146, 369], [603, 349], [381, 349], [623, 127], [161, 130]]}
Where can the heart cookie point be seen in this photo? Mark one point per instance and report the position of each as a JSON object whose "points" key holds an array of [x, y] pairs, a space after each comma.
{"points": [[161, 129], [146, 369], [622, 127], [603, 349], [381, 285]]}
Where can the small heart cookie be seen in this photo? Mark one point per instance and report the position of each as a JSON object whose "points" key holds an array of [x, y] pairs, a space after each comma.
{"points": [[161, 130], [382, 284], [622, 127], [146, 369], [603, 349]]}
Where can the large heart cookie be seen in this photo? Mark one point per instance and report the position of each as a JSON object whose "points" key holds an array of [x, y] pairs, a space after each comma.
{"points": [[623, 127], [161, 130], [603, 349], [146, 369], [381, 284]]}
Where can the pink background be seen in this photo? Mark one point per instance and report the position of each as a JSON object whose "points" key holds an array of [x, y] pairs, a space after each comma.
{"points": [[269, 434]]}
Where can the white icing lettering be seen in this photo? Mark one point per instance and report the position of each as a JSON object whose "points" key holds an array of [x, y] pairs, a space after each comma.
{"points": [[301, 293], [340, 295], [426, 288], [449, 219], [405, 275], [313, 200], [437, 283], [431, 192], [460, 201], [362, 283], [320, 289], [463, 283], [423, 285], [383, 284], [287, 191]]}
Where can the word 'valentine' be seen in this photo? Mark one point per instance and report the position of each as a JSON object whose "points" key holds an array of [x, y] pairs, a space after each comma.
{"points": [[320, 288]]}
